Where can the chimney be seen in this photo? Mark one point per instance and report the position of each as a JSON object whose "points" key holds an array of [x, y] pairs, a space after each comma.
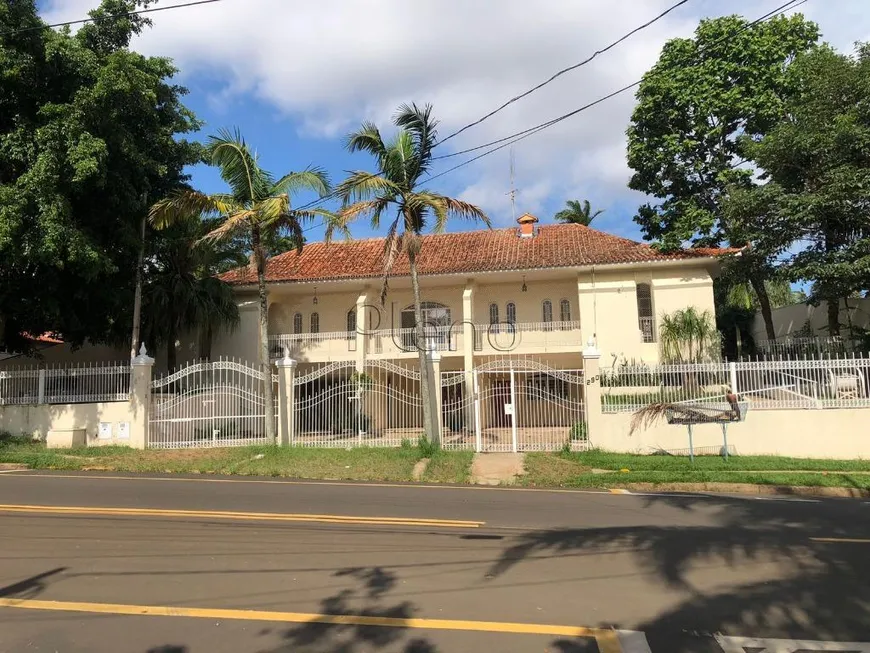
{"points": [[527, 225]]}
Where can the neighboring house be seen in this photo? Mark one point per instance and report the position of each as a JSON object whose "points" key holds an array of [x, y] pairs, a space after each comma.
{"points": [[802, 323], [540, 291]]}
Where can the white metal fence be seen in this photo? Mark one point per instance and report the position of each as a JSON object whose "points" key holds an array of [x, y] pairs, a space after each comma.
{"points": [[65, 384], [335, 405], [217, 404], [764, 384]]}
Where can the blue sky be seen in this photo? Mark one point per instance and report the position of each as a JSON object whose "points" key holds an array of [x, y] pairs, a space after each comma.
{"points": [[296, 77]]}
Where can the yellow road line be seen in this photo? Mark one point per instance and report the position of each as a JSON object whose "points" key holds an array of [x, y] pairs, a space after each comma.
{"points": [[253, 516], [254, 481], [846, 540], [607, 639]]}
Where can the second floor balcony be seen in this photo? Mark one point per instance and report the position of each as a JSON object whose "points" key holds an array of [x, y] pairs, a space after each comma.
{"points": [[505, 337]]}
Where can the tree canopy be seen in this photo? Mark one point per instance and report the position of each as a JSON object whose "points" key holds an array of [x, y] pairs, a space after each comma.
{"points": [[90, 134], [816, 162], [703, 94]]}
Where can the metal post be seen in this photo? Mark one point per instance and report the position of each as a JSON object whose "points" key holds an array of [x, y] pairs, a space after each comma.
{"points": [[691, 446], [732, 372], [725, 438], [41, 389], [478, 436], [513, 414]]}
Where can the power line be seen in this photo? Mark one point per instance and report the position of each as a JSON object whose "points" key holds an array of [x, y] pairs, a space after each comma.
{"points": [[563, 71], [507, 141], [90, 20], [517, 136]]}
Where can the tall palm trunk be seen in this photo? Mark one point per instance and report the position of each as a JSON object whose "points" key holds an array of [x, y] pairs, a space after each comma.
{"points": [[430, 427], [764, 303], [265, 363]]}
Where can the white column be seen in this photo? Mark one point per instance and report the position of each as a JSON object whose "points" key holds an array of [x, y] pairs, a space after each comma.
{"points": [[470, 388], [434, 368], [140, 398], [592, 394], [513, 413], [362, 329], [286, 396]]}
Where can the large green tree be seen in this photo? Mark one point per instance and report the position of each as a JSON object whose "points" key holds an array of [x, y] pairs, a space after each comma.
{"points": [[696, 108], [403, 163], [258, 209], [88, 132], [817, 163]]}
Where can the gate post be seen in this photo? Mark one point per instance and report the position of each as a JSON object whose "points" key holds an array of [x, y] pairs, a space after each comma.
{"points": [[140, 398], [438, 417], [286, 391], [592, 391]]}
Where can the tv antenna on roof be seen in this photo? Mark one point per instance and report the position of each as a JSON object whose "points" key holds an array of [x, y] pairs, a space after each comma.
{"points": [[513, 191]]}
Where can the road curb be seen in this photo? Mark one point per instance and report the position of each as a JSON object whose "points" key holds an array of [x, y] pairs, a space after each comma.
{"points": [[749, 488]]}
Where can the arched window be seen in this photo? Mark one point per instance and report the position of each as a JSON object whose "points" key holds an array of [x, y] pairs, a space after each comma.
{"points": [[510, 317], [547, 314], [297, 323], [564, 313], [645, 321], [436, 325], [493, 318], [351, 324], [315, 323]]}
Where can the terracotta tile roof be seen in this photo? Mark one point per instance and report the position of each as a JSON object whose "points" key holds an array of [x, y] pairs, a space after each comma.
{"points": [[554, 246]]}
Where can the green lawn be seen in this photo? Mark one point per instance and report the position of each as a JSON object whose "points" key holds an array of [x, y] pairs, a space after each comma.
{"points": [[363, 464], [635, 462], [576, 470]]}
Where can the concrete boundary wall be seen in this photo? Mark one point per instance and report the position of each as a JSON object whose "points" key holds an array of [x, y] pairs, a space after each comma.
{"points": [[802, 433]]}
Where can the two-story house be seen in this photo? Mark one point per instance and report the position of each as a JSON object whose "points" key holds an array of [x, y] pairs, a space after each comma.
{"points": [[527, 291], [509, 311]]}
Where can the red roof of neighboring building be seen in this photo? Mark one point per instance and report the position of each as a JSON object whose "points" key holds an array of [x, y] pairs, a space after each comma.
{"points": [[553, 246]]}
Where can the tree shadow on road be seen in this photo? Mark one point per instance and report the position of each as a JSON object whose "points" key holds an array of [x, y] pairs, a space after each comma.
{"points": [[823, 592], [30, 587], [366, 598]]}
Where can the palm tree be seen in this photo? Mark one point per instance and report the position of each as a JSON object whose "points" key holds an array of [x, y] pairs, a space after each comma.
{"points": [[688, 336], [256, 208], [181, 290], [577, 212], [402, 165]]}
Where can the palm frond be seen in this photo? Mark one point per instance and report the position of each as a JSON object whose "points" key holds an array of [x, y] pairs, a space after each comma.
{"points": [[366, 139], [374, 208], [418, 122], [312, 179], [238, 166], [234, 224], [271, 209], [392, 249], [362, 185], [184, 203], [460, 209]]}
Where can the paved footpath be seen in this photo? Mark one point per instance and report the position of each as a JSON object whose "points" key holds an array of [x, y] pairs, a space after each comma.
{"points": [[105, 563]]}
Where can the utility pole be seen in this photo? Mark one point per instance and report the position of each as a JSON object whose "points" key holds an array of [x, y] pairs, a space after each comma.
{"points": [[137, 299]]}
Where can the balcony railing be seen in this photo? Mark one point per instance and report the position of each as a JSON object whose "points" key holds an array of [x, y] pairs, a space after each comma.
{"points": [[507, 336], [441, 338], [330, 342]]}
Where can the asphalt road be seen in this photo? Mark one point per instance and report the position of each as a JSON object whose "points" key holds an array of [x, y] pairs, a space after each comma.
{"points": [[99, 563]]}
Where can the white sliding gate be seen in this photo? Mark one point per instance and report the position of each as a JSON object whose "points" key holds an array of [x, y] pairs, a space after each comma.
{"points": [[218, 404], [339, 406], [525, 405]]}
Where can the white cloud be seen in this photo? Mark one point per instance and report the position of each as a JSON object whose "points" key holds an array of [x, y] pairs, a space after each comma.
{"points": [[327, 65]]}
